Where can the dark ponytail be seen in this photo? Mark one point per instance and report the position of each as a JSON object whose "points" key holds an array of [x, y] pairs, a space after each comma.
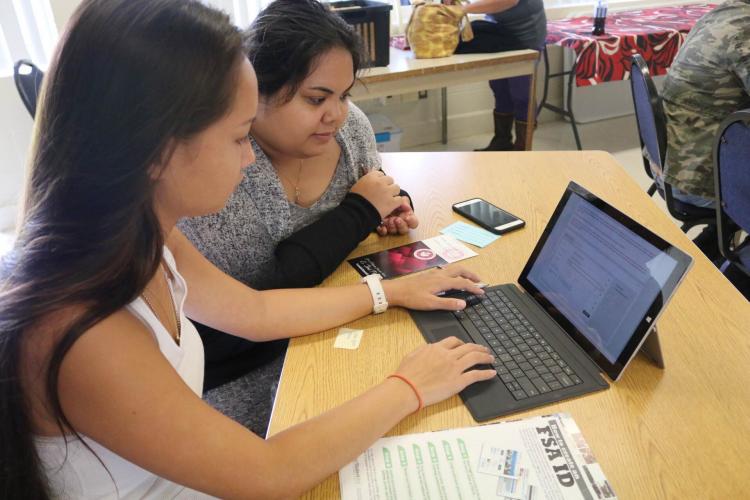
{"points": [[129, 77]]}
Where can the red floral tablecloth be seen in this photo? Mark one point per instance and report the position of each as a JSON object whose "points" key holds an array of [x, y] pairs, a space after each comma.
{"points": [[656, 33]]}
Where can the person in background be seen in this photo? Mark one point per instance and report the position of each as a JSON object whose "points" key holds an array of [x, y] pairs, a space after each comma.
{"points": [[100, 370], [314, 192], [509, 25], [708, 80]]}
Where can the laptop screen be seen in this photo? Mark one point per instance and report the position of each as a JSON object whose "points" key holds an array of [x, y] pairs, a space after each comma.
{"points": [[602, 276]]}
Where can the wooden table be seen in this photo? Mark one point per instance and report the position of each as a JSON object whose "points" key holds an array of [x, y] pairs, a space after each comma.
{"points": [[681, 432], [405, 74]]}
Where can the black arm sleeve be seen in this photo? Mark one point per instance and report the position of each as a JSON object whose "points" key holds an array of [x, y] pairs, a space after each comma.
{"points": [[308, 256]]}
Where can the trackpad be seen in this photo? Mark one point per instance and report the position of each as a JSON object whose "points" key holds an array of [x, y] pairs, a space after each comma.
{"points": [[438, 334]]}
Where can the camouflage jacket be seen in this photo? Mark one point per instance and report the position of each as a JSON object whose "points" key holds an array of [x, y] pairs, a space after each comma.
{"points": [[709, 79]]}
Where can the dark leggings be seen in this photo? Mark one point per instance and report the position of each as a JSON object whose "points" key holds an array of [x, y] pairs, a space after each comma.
{"points": [[511, 94]]}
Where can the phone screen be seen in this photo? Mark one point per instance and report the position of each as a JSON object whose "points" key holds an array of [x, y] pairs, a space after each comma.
{"points": [[489, 214]]}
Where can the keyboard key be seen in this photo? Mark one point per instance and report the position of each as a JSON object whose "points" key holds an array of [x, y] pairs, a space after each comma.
{"points": [[564, 380], [555, 385], [568, 370], [517, 373], [513, 385], [576, 380], [519, 395], [548, 377], [540, 385], [525, 366], [528, 387], [507, 378]]}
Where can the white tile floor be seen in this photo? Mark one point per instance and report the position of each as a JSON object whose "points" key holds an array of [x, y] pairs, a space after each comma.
{"points": [[618, 136]]}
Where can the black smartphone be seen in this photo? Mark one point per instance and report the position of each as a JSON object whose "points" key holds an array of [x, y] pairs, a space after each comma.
{"points": [[488, 215]]}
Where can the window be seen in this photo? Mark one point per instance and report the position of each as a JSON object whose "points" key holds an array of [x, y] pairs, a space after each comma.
{"points": [[242, 12], [27, 31]]}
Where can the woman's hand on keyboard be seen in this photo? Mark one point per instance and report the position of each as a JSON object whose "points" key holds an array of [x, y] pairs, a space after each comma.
{"points": [[440, 370], [419, 291]]}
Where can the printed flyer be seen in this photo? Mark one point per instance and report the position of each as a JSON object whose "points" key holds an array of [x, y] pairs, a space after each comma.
{"points": [[417, 256], [543, 457]]}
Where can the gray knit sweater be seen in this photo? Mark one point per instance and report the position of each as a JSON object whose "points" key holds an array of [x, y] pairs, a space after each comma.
{"points": [[241, 239]]}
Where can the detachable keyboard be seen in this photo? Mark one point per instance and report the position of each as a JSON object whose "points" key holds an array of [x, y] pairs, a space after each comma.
{"points": [[525, 362]]}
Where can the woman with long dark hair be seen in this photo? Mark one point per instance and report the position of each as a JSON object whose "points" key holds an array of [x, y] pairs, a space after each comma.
{"points": [[144, 119]]}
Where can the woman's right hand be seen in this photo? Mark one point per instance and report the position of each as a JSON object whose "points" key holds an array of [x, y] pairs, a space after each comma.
{"points": [[380, 190], [440, 370]]}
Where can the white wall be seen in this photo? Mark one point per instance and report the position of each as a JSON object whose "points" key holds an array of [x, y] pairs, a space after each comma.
{"points": [[63, 9], [15, 126]]}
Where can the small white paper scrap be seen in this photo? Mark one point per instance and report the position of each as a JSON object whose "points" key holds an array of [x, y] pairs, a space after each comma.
{"points": [[348, 338], [449, 248]]}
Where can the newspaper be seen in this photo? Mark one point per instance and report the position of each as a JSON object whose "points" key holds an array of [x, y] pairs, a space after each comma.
{"points": [[534, 458]]}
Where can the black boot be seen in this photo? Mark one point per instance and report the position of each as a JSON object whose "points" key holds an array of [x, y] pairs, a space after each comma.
{"points": [[502, 140]]}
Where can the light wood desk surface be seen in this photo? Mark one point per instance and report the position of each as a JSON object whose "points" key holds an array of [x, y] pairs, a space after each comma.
{"points": [[406, 73], [682, 432]]}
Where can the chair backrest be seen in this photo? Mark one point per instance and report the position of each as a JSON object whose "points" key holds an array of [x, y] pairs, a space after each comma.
{"points": [[732, 170], [28, 79], [649, 114]]}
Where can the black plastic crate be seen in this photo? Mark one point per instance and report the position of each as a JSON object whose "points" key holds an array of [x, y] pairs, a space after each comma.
{"points": [[372, 20]]}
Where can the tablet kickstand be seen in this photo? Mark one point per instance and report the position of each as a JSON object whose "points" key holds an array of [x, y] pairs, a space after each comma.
{"points": [[651, 348]]}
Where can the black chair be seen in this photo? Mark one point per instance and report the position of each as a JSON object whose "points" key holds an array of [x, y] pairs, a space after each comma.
{"points": [[28, 79], [652, 130], [732, 178]]}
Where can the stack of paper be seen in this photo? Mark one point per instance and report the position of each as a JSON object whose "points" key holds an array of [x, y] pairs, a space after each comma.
{"points": [[540, 457]]}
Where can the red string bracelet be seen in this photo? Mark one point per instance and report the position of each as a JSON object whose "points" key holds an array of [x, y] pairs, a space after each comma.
{"points": [[413, 388]]}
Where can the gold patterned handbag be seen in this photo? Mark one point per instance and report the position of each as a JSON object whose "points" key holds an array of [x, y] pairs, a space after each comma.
{"points": [[433, 29]]}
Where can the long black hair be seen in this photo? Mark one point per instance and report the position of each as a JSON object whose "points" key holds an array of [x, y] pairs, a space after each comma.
{"points": [[287, 38], [128, 79]]}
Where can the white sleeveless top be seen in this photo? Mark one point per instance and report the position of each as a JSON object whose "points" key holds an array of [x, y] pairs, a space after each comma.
{"points": [[80, 474]]}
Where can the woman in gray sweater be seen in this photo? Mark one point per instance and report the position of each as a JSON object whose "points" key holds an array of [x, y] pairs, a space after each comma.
{"points": [[315, 191]]}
